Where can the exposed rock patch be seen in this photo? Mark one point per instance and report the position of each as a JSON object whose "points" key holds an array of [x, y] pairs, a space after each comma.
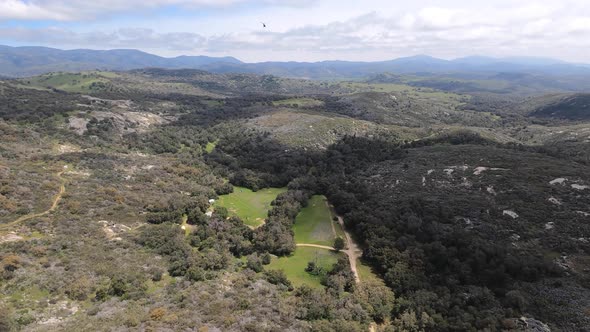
{"points": [[510, 213], [558, 181]]}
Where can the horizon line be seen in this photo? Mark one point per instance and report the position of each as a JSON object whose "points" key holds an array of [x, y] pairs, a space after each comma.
{"points": [[509, 57]]}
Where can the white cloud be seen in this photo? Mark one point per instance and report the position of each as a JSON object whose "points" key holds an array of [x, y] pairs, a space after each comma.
{"points": [[122, 38], [16, 9], [72, 10], [318, 30]]}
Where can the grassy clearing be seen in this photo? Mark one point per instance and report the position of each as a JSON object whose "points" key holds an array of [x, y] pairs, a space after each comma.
{"points": [[294, 265], [300, 102], [33, 294], [366, 273], [300, 128], [80, 82], [185, 226], [210, 146], [314, 223], [420, 93], [155, 286], [251, 207]]}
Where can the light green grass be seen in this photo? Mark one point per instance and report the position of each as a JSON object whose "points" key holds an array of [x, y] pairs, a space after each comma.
{"points": [[155, 286], [33, 293], [314, 223], [294, 265], [366, 273], [251, 207], [449, 98], [187, 227], [210, 146], [339, 230], [77, 82]]}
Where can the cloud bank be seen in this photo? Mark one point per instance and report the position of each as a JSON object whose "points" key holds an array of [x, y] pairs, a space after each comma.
{"points": [[309, 30]]}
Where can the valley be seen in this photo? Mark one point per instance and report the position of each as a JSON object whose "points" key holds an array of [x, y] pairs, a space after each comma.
{"points": [[185, 200]]}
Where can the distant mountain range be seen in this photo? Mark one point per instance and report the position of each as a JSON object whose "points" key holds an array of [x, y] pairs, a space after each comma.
{"points": [[27, 61]]}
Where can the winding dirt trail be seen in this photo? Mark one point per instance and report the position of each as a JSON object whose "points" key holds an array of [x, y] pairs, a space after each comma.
{"points": [[56, 199], [352, 256], [315, 246]]}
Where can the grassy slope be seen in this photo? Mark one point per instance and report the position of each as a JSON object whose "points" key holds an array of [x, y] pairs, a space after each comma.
{"points": [[251, 207], [313, 223], [451, 99], [80, 82], [294, 266], [310, 129]]}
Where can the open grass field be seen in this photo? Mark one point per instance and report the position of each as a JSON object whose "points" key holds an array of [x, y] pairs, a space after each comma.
{"points": [[81, 82], [251, 207], [449, 98], [294, 265], [313, 224]]}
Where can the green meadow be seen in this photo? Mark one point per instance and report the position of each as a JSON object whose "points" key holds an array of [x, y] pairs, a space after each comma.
{"points": [[70, 82], [252, 207], [313, 224], [294, 265]]}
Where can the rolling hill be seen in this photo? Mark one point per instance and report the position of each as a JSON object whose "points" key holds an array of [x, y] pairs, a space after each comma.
{"points": [[501, 75], [569, 107]]}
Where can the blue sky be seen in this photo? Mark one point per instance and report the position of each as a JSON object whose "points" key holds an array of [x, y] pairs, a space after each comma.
{"points": [[305, 30]]}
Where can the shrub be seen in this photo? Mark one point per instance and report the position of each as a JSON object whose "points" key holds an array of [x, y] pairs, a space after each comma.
{"points": [[339, 244]]}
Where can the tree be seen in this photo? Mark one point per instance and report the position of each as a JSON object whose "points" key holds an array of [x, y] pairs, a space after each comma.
{"points": [[222, 212], [339, 244], [266, 258], [278, 277], [254, 263]]}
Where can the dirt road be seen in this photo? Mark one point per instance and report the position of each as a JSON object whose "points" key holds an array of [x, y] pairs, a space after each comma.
{"points": [[56, 199]]}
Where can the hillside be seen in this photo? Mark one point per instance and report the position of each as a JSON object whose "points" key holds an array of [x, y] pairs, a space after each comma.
{"points": [[569, 107], [171, 199]]}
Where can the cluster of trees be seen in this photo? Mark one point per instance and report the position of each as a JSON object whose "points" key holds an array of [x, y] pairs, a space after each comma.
{"points": [[276, 235], [444, 276], [33, 105], [258, 161], [176, 207], [209, 247]]}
